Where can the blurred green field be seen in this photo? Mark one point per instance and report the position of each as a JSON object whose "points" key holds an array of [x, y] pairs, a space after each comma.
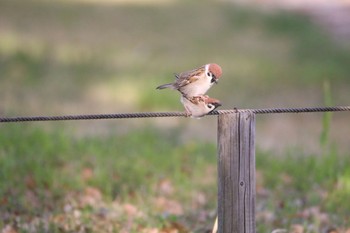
{"points": [[147, 180], [159, 175]]}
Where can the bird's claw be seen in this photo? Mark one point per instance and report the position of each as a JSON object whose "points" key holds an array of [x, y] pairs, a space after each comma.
{"points": [[188, 114]]}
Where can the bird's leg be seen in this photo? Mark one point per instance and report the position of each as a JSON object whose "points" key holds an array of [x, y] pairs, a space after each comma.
{"points": [[188, 112]]}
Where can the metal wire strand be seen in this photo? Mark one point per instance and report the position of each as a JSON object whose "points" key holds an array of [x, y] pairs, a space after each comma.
{"points": [[169, 114]]}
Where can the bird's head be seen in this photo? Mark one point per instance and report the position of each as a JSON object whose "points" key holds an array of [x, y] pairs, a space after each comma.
{"points": [[212, 103], [214, 72]]}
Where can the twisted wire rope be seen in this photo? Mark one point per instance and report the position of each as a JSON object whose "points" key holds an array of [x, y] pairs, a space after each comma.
{"points": [[169, 114]]}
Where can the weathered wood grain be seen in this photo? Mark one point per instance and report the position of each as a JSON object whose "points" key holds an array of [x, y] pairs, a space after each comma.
{"points": [[236, 173]]}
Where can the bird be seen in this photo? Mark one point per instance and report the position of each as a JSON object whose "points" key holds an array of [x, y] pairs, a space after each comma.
{"points": [[195, 82], [199, 106]]}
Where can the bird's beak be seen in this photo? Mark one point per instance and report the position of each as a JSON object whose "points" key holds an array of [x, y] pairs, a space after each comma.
{"points": [[217, 104], [216, 81]]}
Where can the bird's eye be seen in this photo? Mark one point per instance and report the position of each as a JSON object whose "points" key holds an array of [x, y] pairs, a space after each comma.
{"points": [[210, 106], [209, 74]]}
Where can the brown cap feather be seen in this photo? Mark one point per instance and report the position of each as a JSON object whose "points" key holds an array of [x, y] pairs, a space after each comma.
{"points": [[215, 69]]}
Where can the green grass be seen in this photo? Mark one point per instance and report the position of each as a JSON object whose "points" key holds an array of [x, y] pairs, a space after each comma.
{"points": [[50, 166], [42, 173], [300, 182], [128, 44], [314, 55]]}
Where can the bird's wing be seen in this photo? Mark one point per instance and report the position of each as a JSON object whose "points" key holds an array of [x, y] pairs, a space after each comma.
{"points": [[188, 77], [196, 99]]}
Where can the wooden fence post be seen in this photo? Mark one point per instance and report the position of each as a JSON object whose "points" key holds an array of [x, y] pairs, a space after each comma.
{"points": [[236, 172]]}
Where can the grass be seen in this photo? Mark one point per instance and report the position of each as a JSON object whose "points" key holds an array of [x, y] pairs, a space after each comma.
{"points": [[50, 167], [301, 183], [152, 180], [258, 52]]}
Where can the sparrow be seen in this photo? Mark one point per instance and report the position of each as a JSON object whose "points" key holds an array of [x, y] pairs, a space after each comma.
{"points": [[195, 82], [198, 106]]}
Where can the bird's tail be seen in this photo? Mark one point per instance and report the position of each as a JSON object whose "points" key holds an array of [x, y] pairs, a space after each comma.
{"points": [[168, 85]]}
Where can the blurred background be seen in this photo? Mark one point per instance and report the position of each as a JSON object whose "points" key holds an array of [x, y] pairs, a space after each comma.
{"points": [[87, 57]]}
